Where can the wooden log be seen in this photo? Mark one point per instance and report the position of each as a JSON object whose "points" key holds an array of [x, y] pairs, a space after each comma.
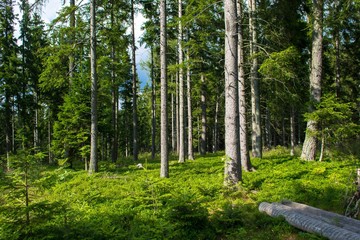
{"points": [[307, 223], [329, 217]]}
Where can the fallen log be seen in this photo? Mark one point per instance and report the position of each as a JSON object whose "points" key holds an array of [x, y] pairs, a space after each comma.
{"points": [[329, 217], [308, 223]]}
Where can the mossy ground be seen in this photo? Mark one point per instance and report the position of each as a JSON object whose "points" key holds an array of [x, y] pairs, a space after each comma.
{"points": [[126, 202]]}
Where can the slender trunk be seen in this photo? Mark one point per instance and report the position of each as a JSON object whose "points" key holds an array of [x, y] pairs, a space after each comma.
{"points": [[134, 87], [203, 148], [310, 142], [72, 42], [232, 170], [164, 170], [36, 120], [50, 141], [173, 120], [215, 140], [115, 93], [255, 92], [153, 107], [244, 150], [299, 129], [181, 91], [8, 129], [94, 121], [337, 63], [292, 132], [322, 149], [13, 148], [268, 129], [177, 113], [283, 130], [189, 108]]}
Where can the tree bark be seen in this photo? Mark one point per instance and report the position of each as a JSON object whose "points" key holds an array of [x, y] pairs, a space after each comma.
{"points": [[134, 87], [329, 217], [153, 107], [94, 119], [292, 132], [310, 142], [181, 89], [173, 120], [216, 125], [203, 144], [244, 150], [115, 97], [232, 169], [164, 170], [177, 113], [72, 41], [189, 108], [308, 223], [255, 91]]}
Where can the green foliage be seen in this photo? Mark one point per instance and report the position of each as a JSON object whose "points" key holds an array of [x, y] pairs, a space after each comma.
{"points": [[133, 203], [334, 118]]}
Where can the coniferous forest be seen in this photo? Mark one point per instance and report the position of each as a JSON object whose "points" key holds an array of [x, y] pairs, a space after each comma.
{"points": [[244, 102]]}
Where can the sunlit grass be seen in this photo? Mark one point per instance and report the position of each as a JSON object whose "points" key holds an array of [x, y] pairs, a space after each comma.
{"points": [[124, 201]]}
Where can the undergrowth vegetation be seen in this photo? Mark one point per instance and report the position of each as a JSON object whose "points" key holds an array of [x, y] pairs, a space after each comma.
{"points": [[126, 202]]}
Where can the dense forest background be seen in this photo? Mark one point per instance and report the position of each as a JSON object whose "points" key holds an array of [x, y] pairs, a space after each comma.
{"points": [[274, 73]]}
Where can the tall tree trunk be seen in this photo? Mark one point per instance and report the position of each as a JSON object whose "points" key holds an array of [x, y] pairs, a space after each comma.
{"points": [[268, 129], [283, 130], [8, 129], [216, 125], [189, 108], [337, 63], [134, 86], [36, 120], [173, 120], [164, 170], [232, 170], [255, 92], [177, 113], [50, 141], [292, 132], [153, 107], [181, 90], [203, 144], [244, 150], [115, 97], [94, 88], [72, 41], [310, 142]]}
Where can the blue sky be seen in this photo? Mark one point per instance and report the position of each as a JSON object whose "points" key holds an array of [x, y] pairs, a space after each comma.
{"points": [[52, 7]]}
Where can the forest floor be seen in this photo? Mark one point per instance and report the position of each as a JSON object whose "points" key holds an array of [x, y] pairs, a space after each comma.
{"points": [[123, 201]]}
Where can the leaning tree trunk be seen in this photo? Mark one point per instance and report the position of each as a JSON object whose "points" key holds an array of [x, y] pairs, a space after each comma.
{"points": [[310, 142], [164, 170], [244, 150], [181, 91], [189, 108], [255, 92], [94, 89], [232, 169], [134, 87]]}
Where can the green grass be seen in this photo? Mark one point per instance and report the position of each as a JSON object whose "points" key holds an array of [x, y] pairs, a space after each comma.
{"points": [[125, 202]]}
